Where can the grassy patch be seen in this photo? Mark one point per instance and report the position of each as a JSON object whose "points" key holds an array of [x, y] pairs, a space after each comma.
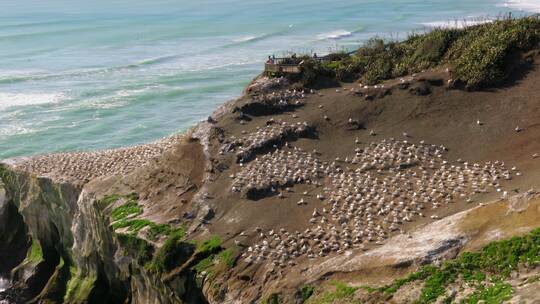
{"points": [[342, 292], [204, 264], [499, 292], [435, 284], [131, 208], [215, 262], [226, 257], [486, 270], [210, 245], [120, 215]]}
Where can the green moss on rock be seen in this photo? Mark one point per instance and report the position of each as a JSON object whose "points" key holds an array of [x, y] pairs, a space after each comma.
{"points": [[35, 253], [79, 286]]}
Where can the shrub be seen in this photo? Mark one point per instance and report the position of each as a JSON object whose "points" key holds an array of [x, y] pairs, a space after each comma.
{"points": [[481, 55]]}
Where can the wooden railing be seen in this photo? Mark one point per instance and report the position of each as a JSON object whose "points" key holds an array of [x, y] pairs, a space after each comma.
{"points": [[286, 65]]}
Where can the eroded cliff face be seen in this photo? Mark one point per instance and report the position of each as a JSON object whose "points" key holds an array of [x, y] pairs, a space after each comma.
{"points": [[58, 246], [180, 228]]}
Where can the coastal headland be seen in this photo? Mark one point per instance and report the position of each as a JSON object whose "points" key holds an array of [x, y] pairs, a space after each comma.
{"points": [[403, 172]]}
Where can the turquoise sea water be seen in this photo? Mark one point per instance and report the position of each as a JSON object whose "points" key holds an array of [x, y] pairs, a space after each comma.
{"points": [[84, 75]]}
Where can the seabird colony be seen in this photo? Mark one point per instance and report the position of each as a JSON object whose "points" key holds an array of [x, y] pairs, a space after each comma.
{"points": [[282, 99], [85, 166], [368, 195], [270, 136]]}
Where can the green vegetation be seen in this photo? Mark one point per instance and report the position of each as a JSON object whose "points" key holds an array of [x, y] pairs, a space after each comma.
{"points": [[79, 286], [210, 245], [342, 292], [204, 264], [497, 293], [123, 217], [215, 262], [173, 252], [423, 273], [480, 55], [272, 299], [35, 253], [107, 200], [226, 257], [306, 292], [131, 208], [140, 248], [484, 270], [212, 256]]}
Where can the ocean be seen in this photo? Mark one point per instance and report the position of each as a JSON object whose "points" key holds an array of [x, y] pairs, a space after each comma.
{"points": [[88, 75]]}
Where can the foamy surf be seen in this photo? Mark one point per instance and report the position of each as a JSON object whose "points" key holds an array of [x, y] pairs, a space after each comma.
{"points": [[8, 100], [524, 5], [195, 60], [245, 39], [4, 283], [334, 35], [456, 24]]}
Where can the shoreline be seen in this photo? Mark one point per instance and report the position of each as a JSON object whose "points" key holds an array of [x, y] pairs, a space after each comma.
{"points": [[18, 141]]}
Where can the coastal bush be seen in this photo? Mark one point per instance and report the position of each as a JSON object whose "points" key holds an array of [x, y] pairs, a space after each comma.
{"points": [[481, 55]]}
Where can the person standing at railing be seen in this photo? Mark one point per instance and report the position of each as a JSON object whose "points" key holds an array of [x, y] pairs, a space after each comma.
{"points": [[270, 60]]}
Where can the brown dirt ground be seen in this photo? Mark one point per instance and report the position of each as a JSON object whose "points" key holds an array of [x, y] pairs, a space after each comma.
{"points": [[446, 116]]}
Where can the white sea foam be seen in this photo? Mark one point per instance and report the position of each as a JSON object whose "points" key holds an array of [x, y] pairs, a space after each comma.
{"points": [[458, 24], [337, 34], [12, 129], [4, 283], [525, 5], [8, 100], [245, 39]]}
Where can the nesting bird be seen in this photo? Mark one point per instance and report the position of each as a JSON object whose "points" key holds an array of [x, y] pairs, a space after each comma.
{"points": [[84, 166], [384, 185]]}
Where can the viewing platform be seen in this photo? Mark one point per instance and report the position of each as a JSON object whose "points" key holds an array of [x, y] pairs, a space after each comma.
{"points": [[287, 65]]}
